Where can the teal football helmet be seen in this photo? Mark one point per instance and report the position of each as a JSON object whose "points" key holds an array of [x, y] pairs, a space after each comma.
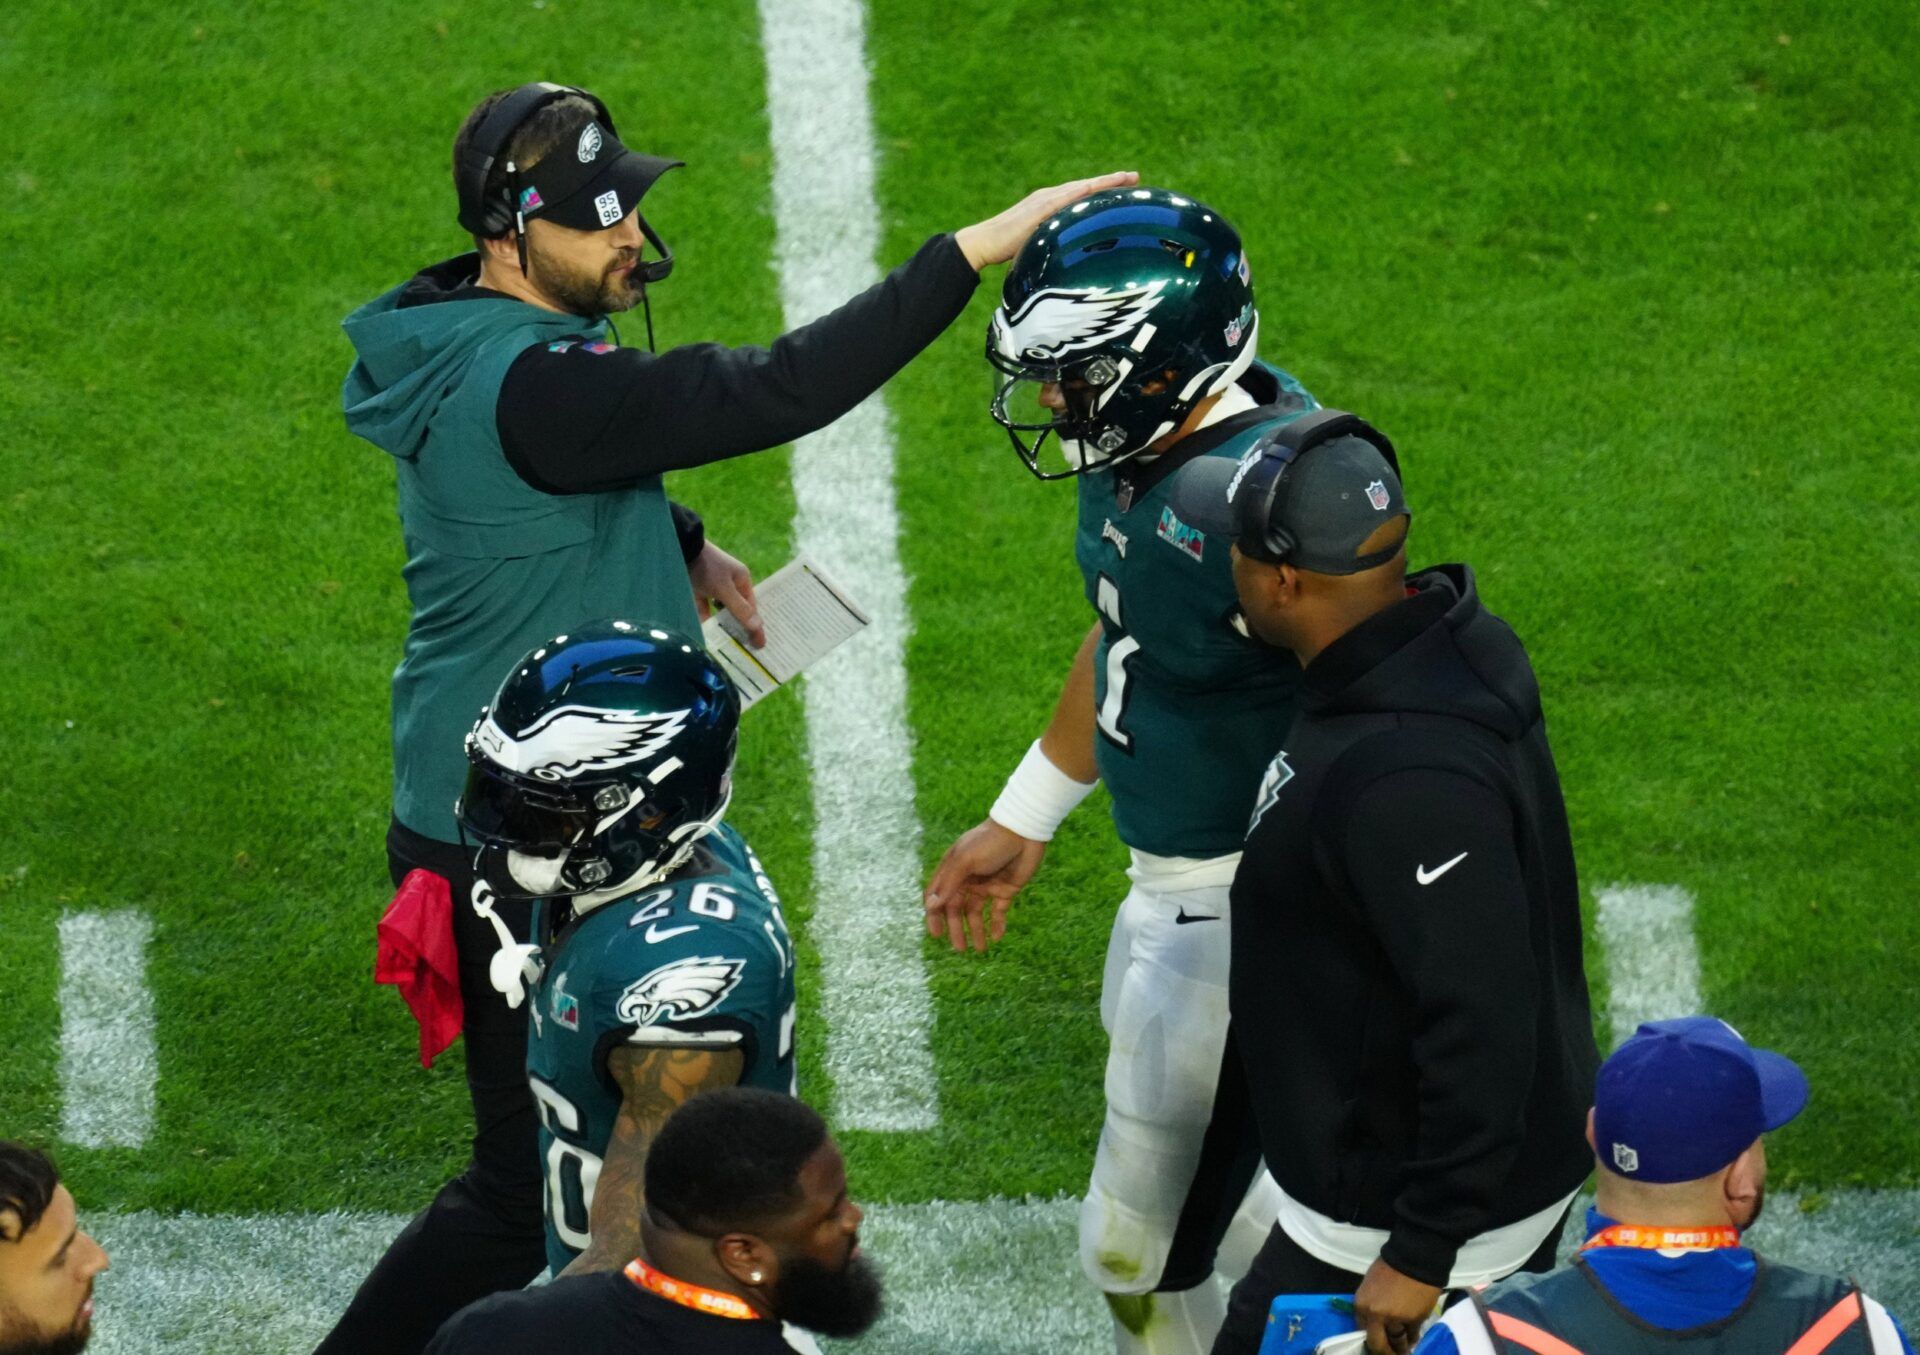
{"points": [[1117, 317], [606, 754]]}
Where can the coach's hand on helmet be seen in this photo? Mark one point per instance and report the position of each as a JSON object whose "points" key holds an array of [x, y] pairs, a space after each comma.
{"points": [[987, 865], [999, 238]]}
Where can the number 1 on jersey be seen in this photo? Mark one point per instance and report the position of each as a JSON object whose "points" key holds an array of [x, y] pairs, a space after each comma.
{"points": [[1121, 647]]}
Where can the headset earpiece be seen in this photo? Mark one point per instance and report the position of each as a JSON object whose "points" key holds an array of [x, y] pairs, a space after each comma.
{"points": [[492, 217]]}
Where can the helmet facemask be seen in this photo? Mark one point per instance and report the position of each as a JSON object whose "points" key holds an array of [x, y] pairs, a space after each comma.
{"points": [[1082, 439], [1106, 408], [541, 839]]}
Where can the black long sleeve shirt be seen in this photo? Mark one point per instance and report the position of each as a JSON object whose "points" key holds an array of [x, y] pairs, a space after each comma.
{"points": [[1408, 999], [576, 418]]}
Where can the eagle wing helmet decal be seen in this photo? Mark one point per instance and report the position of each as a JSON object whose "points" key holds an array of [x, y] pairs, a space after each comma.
{"points": [[573, 739], [1058, 321], [679, 990]]}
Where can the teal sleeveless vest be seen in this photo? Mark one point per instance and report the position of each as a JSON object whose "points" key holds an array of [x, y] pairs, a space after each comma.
{"points": [[1569, 1310], [494, 567]]}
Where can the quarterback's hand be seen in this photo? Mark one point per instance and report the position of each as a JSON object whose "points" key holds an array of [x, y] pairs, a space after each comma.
{"points": [[999, 238], [718, 577], [987, 862], [1391, 1307]]}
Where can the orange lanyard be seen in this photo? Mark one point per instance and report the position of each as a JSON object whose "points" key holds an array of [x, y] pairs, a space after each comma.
{"points": [[689, 1295], [1663, 1239]]}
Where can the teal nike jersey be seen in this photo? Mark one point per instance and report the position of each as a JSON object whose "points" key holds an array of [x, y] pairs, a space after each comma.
{"points": [[700, 958], [1190, 709]]}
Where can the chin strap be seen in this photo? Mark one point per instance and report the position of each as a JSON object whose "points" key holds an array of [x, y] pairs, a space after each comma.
{"points": [[515, 964], [684, 839]]}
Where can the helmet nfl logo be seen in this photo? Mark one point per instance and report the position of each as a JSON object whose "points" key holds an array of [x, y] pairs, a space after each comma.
{"points": [[1377, 495], [1625, 1159], [1238, 326]]}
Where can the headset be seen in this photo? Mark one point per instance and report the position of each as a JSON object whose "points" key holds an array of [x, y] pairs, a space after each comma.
{"points": [[1264, 477], [492, 217]]}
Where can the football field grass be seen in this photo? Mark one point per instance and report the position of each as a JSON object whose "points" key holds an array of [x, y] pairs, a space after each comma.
{"points": [[1631, 286]]}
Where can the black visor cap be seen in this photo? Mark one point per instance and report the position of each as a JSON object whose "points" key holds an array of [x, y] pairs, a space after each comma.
{"points": [[590, 184]]}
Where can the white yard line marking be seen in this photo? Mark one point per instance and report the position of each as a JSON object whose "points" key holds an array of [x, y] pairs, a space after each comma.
{"points": [[108, 1060], [982, 1275], [1653, 966], [867, 834], [985, 1275]]}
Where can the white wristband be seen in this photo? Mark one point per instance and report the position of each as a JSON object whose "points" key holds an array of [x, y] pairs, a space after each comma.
{"points": [[1037, 797]]}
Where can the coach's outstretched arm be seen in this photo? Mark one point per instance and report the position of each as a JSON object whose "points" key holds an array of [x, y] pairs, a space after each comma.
{"points": [[581, 418], [993, 860]]}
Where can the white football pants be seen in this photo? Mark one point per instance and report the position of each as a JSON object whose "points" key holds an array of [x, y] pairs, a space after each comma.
{"points": [[1164, 1005]]}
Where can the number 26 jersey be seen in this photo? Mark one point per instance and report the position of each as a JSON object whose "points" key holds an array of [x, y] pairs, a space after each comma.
{"points": [[701, 958]]}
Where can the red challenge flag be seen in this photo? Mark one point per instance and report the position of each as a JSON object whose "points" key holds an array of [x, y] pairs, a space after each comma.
{"points": [[417, 956]]}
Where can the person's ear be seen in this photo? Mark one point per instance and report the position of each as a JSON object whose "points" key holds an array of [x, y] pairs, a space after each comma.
{"points": [[1286, 584], [1592, 1142], [502, 251], [748, 1259], [1742, 1183]]}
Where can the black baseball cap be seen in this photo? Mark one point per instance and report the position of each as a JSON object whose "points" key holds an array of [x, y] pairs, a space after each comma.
{"points": [[589, 185], [1329, 498]]}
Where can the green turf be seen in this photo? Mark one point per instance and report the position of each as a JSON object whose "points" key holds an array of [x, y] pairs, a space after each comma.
{"points": [[1633, 292], [1631, 286]]}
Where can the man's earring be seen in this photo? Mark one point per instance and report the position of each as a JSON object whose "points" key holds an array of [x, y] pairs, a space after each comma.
{"points": [[754, 1278]]}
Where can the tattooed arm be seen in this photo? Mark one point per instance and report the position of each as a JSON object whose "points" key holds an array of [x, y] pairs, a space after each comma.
{"points": [[654, 1081]]}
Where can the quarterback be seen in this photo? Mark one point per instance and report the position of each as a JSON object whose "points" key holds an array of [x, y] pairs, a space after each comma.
{"points": [[1125, 338], [596, 785]]}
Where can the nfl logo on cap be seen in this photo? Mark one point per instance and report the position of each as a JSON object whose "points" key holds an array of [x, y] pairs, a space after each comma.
{"points": [[1377, 495], [1625, 1159]]}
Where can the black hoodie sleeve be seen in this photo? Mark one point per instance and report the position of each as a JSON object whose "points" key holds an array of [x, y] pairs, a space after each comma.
{"points": [[577, 421], [1432, 859], [690, 529]]}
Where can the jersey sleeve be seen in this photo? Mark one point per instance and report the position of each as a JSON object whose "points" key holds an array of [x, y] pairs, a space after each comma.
{"points": [[697, 983]]}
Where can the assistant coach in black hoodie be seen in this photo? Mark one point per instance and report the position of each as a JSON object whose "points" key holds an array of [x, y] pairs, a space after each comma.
{"points": [[1409, 1007]]}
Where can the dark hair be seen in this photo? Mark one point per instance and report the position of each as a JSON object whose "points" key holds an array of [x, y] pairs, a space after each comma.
{"points": [[731, 1159], [553, 126], [27, 1181]]}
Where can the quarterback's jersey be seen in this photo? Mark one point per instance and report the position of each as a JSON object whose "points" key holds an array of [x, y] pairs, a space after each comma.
{"points": [[1190, 709], [700, 958]]}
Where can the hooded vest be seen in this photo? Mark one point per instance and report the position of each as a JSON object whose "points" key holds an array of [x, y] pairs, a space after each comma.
{"points": [[494, 567]]}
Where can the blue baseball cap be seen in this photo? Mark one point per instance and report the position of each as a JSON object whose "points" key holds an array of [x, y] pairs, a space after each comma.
{"points": [[1682, 1099]]}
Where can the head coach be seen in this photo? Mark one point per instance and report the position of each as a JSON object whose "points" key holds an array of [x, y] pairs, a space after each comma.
{"points": [[529, 449], [1409, 1009]]}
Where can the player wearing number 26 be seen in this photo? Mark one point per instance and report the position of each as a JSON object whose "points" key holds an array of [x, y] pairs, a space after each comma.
{"points": [[1125, 343], [597, 784]]}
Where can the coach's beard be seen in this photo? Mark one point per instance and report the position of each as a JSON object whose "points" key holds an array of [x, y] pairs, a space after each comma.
{"points": [[69, 1342], [578, 292]]}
